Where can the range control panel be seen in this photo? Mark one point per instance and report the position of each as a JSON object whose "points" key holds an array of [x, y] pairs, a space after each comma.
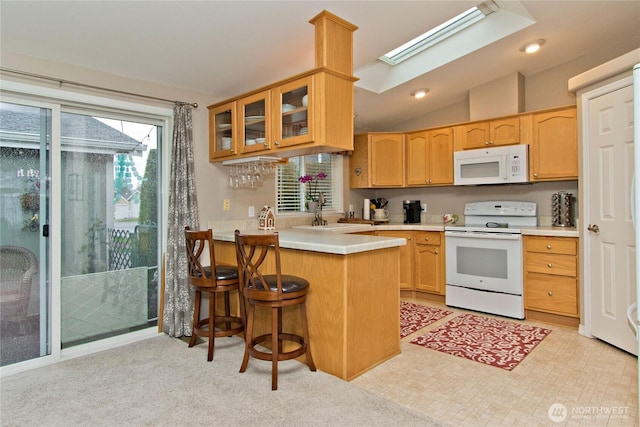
{"points": [[501, 208]]}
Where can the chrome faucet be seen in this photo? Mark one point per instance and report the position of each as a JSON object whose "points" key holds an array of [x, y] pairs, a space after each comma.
{"points": [[318, 214]]}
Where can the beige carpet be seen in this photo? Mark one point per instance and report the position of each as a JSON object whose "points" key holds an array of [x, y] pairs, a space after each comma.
{"points": [[160, 381]]}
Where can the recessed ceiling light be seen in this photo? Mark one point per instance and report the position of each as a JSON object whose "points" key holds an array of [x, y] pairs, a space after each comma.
{"points": [[532, 47], [419, 94]]}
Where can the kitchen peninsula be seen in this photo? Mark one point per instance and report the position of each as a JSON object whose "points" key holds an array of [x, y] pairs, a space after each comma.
{"points": [[353, 305]]}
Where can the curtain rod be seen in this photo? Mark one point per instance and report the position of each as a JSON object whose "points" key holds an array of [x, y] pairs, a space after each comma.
{"points": [[69, 82]]}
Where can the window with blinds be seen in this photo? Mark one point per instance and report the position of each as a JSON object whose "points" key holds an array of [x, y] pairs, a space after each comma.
{"points": [[291, 193]]}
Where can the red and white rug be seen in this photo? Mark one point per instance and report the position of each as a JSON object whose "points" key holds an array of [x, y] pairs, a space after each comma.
{"points": [[494, 342], [415, 316]]}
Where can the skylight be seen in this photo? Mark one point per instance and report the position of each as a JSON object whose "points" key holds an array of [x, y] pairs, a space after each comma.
{"points": [[440, 33]]}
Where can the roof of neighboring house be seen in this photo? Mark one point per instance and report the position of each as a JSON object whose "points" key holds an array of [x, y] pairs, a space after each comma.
{"points": [[20, 125]]}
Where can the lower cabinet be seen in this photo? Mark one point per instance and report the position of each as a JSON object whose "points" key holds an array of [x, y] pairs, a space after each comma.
{"points": [[422, 262], [406, 256], [551, 275], [430, 267]]}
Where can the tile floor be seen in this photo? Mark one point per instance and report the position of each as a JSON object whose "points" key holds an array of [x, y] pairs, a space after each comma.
{"points": [[595, 382]]}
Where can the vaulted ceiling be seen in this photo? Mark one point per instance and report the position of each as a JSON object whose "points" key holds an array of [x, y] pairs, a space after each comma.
{"points": [[225, 48]]}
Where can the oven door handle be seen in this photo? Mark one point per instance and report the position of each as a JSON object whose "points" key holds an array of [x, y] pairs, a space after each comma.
{"points": [[481, 235]]}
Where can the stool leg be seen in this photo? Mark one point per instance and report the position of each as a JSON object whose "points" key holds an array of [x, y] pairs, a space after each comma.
{"points": [[196, 317], [212, 324], [276, 345], [227, 309], [247, 338], [305, 333]]}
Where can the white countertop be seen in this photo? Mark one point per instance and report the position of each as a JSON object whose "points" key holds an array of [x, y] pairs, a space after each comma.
{"points": [[323, 241], [551, 231], [335, 238]]}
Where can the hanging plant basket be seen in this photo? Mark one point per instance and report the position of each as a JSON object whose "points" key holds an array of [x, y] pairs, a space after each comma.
{"points": [[30, 202]]}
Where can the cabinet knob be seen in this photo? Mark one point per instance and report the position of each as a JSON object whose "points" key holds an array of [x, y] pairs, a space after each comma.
{"points": [[276, 142], [548, 246], [265, 144], [426, 239], [549, 265], [550, 293], [535, 174], [435, 252]]}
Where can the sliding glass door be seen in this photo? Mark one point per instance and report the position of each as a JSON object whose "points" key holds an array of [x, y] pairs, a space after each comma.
{"points": [[25, 138], [90, 270], [110, 178]]}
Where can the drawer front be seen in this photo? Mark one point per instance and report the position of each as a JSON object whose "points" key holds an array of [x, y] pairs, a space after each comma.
{"points": [[560, 265], [428, 238], [566, 246], [557, 295]]}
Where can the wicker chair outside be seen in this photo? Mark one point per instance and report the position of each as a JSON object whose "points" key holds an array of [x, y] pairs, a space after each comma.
{"points": [[17, 268]]}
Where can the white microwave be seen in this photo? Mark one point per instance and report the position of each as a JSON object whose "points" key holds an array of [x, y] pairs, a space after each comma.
{"points": [[496, 165]]}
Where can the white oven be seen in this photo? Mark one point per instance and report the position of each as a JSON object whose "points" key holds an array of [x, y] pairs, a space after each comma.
{"points": [[484, 258]]}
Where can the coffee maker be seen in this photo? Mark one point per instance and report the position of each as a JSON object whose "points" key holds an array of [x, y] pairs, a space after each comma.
{"points": [[412, 210]]}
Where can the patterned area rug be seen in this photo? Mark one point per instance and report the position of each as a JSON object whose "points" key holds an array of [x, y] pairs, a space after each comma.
{"points": [[414, 317], [494, 342]]}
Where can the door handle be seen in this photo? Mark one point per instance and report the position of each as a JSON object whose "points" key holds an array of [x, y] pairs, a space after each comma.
{"points": [[594, 228]]}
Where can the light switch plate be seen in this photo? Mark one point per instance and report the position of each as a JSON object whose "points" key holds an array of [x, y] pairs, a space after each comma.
{"points": [[424, 208]]}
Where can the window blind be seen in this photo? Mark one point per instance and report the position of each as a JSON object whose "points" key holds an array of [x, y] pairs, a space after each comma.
{"points": [[291, 194]]}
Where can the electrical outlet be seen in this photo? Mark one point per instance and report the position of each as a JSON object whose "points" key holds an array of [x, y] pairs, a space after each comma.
{"points": [[252, 211], [424, 207], [226, 205]]}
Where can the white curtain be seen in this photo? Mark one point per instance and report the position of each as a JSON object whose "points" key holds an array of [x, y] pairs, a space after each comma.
{"points": [[177, 318]]}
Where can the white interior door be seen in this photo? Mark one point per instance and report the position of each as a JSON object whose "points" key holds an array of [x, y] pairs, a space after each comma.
{"points": [[611, 237]]}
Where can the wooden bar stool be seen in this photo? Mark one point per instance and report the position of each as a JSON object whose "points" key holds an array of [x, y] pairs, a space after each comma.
{"points": [[273, 291], [214, 280]]}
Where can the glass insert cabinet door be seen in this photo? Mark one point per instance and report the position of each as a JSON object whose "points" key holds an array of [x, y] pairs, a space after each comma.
{"points": [[255, 132], [222, 134], [294, 109]]}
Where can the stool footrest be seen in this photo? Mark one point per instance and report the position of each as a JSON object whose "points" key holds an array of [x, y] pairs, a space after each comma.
{"points": [[202, 328], [284, 355]]}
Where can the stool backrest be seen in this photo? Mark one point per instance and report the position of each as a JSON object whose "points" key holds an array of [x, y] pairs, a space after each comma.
{"points": [[251, 252], [195, 242]]}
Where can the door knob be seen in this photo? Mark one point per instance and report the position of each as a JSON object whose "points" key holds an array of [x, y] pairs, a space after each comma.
{"points": [[593, 228]]}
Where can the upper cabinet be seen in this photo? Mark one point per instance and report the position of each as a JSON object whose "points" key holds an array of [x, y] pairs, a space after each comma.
{"points": [[553, 150], [377, 161], [489, 133], [222, 133], [429, 157], [308, 113]]}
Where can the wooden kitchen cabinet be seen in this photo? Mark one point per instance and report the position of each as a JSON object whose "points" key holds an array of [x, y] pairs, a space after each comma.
{"points": [[553, 150], [223, 135], [429, 262], [551, 275], [311, 113], [429, 157], [491, 133], [254, 127], [406, 256], [308, 113], [377, 161]]}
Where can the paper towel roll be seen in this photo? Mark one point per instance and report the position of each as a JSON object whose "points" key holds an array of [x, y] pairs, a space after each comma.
{"points": [[366, 210]]}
